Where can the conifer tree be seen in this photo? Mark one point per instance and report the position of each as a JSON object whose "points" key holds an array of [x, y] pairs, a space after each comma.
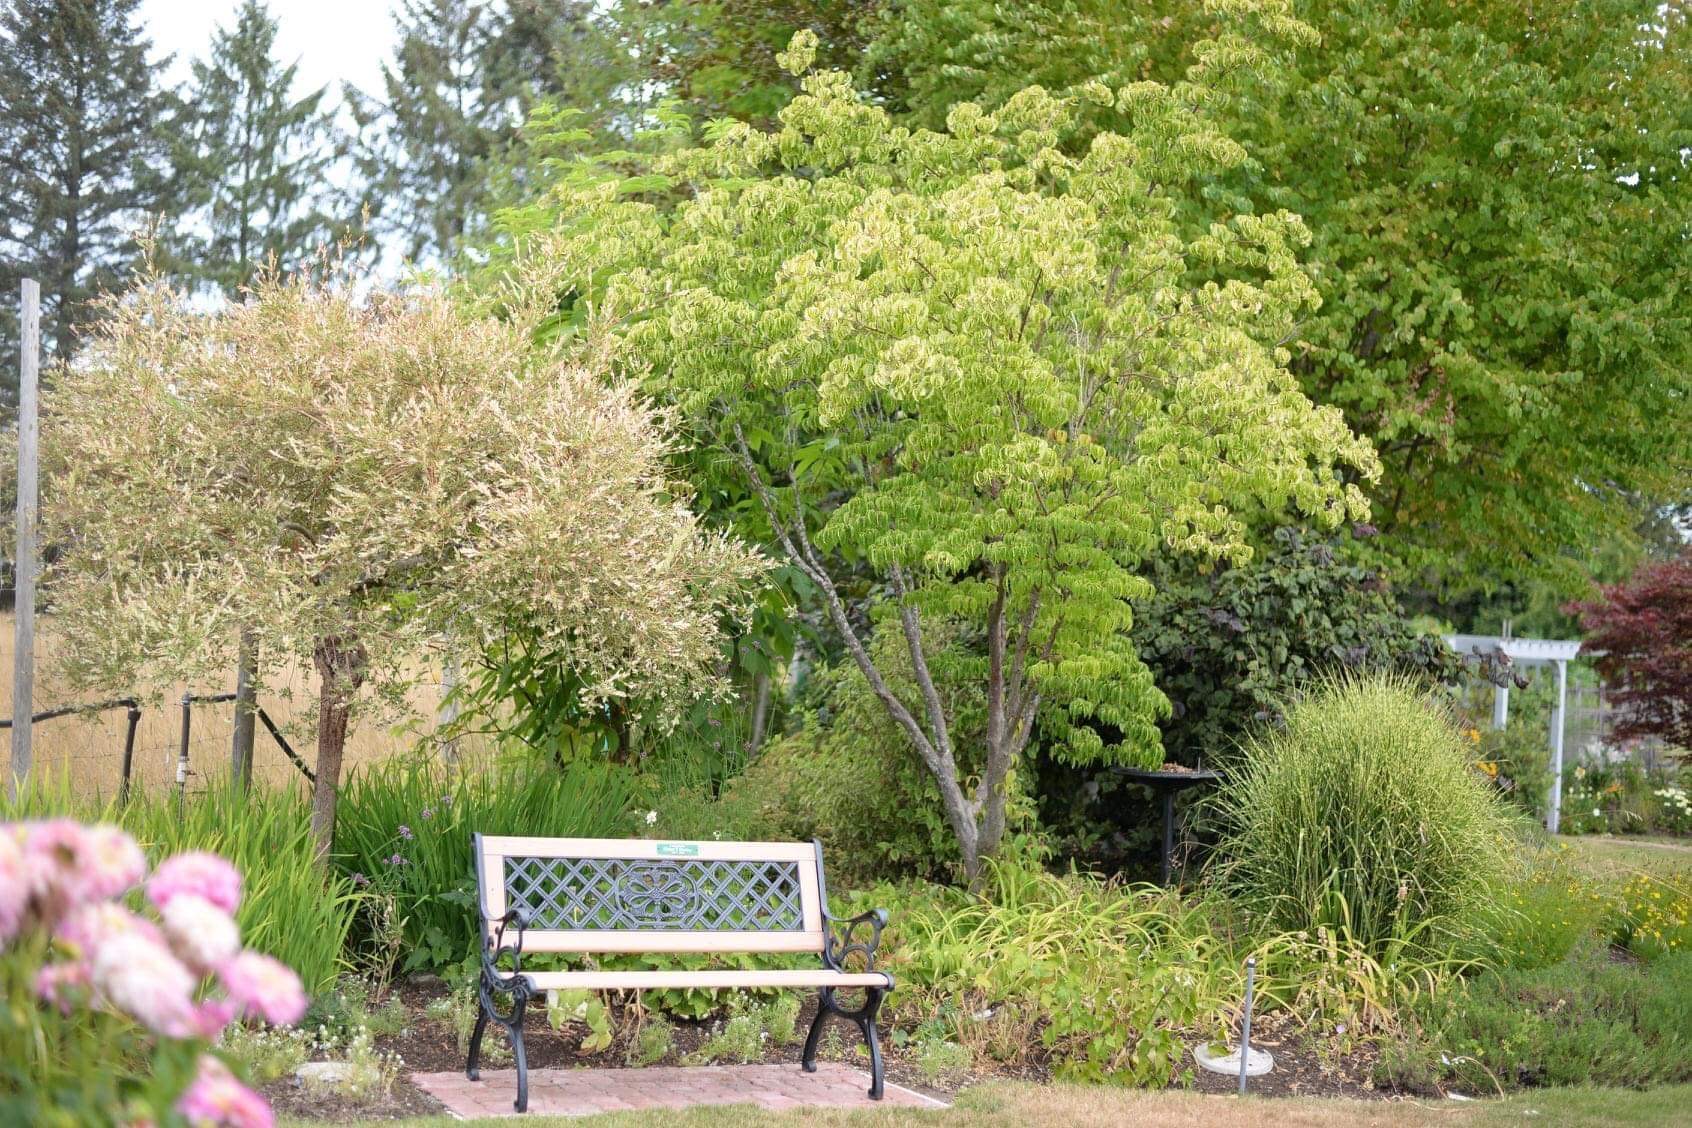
{"points": [[82, 122], [256, 156], [465, 76]]}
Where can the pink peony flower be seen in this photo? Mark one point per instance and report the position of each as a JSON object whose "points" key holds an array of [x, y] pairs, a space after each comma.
{"points": [[212, 1015], [55, 851], [265, 987], [139, 976], [201, 934], [88, 926], [113, 864], [204, 875], [62, 984], [217, 1100], [14, 881]]}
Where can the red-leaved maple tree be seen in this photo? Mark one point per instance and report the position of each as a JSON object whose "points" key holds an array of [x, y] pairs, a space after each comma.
{"points": [[1642, 630]]}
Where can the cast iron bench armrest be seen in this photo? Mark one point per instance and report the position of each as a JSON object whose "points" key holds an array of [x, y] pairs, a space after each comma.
{"points": [[495, 946], [840, 940]]}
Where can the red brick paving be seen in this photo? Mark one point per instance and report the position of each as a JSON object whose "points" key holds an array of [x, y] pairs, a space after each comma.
{"points": [[579, 1092]]}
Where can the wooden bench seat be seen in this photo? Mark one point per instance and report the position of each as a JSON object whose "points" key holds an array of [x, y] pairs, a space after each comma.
{"points": [[608, 896], [707, 980]]}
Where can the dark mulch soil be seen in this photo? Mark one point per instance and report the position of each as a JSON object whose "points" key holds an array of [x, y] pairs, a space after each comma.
{"points": [[1304, 1067], [429, 1045]]}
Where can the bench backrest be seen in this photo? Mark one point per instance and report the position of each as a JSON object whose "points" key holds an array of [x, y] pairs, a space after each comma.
{"points": [[631, 895]]}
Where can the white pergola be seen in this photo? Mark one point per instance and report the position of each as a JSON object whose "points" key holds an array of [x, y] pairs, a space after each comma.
{"points": [[1529, 652]]}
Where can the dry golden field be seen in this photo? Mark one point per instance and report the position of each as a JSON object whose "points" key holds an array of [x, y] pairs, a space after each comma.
{"points": [[90, 748]]}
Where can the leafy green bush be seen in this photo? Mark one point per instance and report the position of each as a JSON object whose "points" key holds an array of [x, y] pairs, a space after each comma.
{"points": [[1363, 815], [1232, 647], [403, 834], [1518, 761], [1587, 1020], [1106, 980], [290, 907]]}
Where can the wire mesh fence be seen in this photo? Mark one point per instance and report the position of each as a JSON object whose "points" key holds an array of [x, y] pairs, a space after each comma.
{"points": [[85, 750]]}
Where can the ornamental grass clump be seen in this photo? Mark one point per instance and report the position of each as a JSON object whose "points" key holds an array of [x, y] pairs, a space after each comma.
{"points": [[1361, 815], [112, 1001]]}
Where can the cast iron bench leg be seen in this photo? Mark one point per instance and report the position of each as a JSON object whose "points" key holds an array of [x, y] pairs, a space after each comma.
{"points": [[864, 1017], [470, 1068], [513, 1025]]}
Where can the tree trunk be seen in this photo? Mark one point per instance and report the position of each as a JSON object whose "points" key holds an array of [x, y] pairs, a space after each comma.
{"points": [[340, 666], [241, 742], [760, 714]]}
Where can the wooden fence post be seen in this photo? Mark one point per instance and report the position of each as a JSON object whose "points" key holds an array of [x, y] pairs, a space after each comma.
{"points": [[23, 653]]}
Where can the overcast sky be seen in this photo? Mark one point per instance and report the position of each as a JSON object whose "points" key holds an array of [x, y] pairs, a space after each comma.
{"points": [[332, 40]]}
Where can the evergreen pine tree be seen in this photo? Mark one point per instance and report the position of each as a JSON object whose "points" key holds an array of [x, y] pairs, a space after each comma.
{"points": [[464, 77], [256, 157], [82, 124]]}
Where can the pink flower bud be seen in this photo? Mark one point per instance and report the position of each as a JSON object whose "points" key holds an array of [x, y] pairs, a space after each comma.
{"points": [[88, 926], [54, 857], [62, 984]]}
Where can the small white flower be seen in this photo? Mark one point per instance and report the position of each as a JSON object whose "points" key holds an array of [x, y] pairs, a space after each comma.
{"points": [[651, 818]]}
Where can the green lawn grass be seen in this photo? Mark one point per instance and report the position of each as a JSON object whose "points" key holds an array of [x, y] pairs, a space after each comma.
{"points": [[1611, 857], [1005, 1105]]}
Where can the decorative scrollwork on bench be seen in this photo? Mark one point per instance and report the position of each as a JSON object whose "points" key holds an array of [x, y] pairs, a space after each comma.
{"points": [[854, 936]]}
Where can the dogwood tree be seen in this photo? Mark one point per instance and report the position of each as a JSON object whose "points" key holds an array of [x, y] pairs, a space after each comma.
{"points": [[986, 368], [351, 481]]}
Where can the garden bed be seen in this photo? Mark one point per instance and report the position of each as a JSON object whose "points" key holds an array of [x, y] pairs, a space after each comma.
{"points": [[426, 1043]]}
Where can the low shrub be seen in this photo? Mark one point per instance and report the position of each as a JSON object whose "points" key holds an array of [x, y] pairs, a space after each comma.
{"points": [[652, 1042], [1609, 798], [1104, 980], [1674, 809], [1362, 815], [1544, 908], [292, 908], [1655, 915], [1587, 1020], [403, 831]]}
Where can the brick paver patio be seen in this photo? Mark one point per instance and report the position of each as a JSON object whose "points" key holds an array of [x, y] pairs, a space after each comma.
{"points": [[579, 1092]]}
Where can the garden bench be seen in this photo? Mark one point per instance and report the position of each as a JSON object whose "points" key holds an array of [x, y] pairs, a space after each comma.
{"points": [[601, 896]]}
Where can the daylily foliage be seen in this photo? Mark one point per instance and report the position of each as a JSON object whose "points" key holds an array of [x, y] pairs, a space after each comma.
{"points": [[985, 364]]}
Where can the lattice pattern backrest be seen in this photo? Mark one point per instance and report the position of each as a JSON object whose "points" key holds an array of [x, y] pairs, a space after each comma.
{"points": [[686, 895], [630, 895]]}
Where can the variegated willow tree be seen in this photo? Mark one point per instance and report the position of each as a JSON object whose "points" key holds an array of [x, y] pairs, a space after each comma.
{"points": [[983, 364], [352, 481]]}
